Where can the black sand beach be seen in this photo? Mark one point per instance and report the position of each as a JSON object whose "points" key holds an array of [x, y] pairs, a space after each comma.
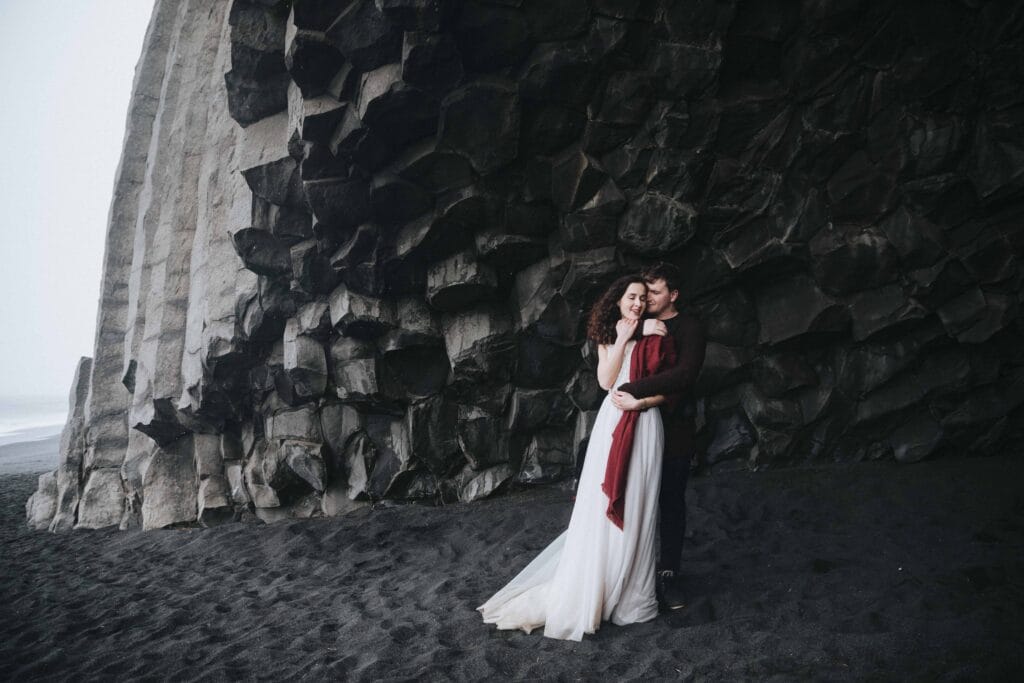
{"points": [[872, 571]]}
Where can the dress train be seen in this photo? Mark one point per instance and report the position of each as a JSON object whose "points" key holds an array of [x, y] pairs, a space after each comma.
{"points": [[594, 571]]}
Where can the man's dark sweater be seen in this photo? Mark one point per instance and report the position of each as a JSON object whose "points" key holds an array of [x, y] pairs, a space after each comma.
{"points": [[678, 419], [678, 382]]}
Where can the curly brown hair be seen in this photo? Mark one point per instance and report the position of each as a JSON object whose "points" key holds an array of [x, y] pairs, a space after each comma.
{"points": [[605, 313]]}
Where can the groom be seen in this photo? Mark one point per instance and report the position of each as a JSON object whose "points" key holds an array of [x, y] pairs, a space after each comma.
{"points": [[663, 280]]}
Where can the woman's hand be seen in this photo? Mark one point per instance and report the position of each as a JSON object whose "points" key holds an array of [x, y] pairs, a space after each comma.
{"points": [[655, 326], [624, 330], [624, 401]]}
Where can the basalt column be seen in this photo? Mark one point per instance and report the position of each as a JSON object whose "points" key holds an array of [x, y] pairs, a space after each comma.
{"points": [[353, 244]]}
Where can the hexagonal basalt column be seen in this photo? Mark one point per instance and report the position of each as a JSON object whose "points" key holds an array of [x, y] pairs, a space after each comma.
{"points": [[459, 282]]}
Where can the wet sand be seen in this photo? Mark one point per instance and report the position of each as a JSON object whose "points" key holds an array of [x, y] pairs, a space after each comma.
{"points": [[871, 571]]}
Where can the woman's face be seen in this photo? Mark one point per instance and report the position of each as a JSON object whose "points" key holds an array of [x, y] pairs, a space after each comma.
{"points": [[634, 301]]}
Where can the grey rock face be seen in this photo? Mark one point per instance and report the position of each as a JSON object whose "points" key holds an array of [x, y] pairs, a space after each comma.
{"points": [[42, 505], [72, 453], [352, 246], [102, 502]]}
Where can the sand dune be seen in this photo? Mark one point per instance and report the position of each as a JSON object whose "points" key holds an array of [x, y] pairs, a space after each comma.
{"points": [[870, 571]]}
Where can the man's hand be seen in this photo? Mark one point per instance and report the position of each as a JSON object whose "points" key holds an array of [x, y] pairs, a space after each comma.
{"points": [[654, 326], [624, 401]]}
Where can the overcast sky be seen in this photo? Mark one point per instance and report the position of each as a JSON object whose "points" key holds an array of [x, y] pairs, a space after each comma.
{"points": [[66, 69]]}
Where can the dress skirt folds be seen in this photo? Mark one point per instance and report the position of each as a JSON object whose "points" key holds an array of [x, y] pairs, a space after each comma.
{"points": [[594, 571]]}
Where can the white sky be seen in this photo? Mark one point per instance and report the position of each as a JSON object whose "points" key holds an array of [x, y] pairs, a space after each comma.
{"points": [[66, 70]]}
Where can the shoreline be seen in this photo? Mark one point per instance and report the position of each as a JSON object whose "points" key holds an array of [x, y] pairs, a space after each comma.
{"points": [[27, 457]]}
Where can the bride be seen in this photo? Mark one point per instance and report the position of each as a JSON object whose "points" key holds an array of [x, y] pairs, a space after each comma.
{"points": [[602, 566]]}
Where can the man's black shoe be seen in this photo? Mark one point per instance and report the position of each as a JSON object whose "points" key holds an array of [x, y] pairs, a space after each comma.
{"points": [[668, 590]]}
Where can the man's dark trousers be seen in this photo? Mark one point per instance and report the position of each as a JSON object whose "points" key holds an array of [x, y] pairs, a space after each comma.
{"points": [[675, 474]]}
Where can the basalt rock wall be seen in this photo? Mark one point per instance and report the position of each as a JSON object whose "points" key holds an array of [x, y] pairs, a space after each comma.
{"points": [[352, 243]]}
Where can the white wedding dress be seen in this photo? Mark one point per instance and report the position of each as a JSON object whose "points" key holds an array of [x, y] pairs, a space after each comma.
{"points": [[594, 570]]}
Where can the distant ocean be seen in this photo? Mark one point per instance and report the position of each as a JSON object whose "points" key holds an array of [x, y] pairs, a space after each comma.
{"points": [[31, 418]]}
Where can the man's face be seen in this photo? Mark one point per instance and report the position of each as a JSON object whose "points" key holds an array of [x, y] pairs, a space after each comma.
{"points": [[659, 298]]}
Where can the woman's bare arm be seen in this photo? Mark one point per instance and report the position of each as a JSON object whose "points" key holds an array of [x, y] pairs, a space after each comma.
{"points": [[609, 362], [610, 356]]}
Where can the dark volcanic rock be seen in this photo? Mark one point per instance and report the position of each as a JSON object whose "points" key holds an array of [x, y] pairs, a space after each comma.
{"points": [[757, 254], [304, 375], [481, 122], [343, 204], [656, 224], [575, 179], [430, 60], [433, 434], [362, 267], [261, 252], [312, 62], [320, 117], [848, 261], [532, 410], [436, 170], [490, 36], [916, 439], [277, 182], [482, 438], [357, 261], [559, 72], [250, 100], [365, 36], [723, 367], [550, 21], [354, 143], [396, 201], [356, 379], [595, 224], [588, 272], [549, 456], [778, 373], [584, 391], [459, 282], [417, 15], [541, 362], [542, 307], [796, 307], [733, 437], [419, 371], [918, 241], [883, 309], [684, 69], [479, 343], [730, 317], [257, 84], [356, 315], [394, 111], [936, 284], [285, 223]]}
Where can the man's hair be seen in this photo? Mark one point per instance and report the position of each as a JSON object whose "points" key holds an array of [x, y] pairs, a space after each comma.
{"points": [[663, 271]]}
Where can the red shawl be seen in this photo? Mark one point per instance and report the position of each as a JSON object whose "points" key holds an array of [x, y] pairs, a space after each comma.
{"points": [[651, 354]]}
